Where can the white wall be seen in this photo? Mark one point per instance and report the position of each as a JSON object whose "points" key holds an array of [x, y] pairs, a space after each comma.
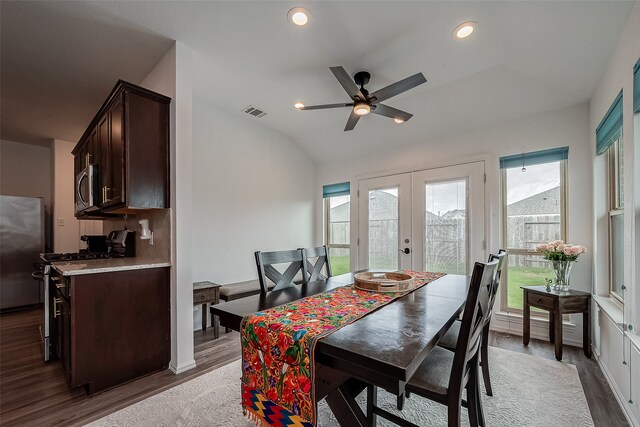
{"points": [[254, 191], [566, 127], [26, 170], [172, 77], [610, 338], [66, 228]]}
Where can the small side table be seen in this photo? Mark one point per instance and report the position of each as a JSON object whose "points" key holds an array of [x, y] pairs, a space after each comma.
{"points": [[203, 293], [557, 303]]}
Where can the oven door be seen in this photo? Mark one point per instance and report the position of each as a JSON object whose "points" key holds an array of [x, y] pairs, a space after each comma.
{"points": [[85, 190]]}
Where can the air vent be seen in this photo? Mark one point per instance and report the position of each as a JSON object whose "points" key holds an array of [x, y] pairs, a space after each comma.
{"points": [[254, 111]]}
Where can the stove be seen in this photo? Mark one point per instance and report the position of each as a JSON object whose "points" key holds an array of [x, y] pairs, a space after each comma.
{"points": [[54, 293]]}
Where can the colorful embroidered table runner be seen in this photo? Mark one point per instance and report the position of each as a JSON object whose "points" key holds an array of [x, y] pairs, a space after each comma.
{"points": [[277, 350]]}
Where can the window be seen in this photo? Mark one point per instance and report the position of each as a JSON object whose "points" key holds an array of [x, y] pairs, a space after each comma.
{"points": [[533, 212], [616, 219], [609, 140], [337, 214]]}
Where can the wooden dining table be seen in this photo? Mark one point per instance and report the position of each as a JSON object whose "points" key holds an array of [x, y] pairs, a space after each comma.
{"points": [[383, 348]]}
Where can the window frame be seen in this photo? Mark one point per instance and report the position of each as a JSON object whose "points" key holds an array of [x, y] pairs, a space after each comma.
{"points": [[504, 290]]}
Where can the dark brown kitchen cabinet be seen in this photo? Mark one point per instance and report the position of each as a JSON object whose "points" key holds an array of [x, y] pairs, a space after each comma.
{"points": [[115, 327], [131, 147]]}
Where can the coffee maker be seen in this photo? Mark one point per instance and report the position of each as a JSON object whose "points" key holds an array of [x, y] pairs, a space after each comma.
{"points": [[121, 243]]}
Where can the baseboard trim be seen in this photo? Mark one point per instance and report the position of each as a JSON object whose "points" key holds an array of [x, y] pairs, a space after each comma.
{"points": [[182, 368], [617, 392], [512, 323]]}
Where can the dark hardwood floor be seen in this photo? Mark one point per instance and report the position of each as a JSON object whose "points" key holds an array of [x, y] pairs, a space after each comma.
{"points": [[34, 393]]}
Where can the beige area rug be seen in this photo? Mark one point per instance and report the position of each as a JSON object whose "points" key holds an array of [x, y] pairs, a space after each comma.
{"points": [[528, 391]]}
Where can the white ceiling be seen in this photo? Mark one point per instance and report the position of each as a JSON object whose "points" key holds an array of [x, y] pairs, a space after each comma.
{"points": [[60, 59]]}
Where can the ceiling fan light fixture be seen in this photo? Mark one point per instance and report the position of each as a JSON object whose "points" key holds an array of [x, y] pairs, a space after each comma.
{"points": [[362, 109], [299, 105], [464, 30], [298, 16], [398, 121]]}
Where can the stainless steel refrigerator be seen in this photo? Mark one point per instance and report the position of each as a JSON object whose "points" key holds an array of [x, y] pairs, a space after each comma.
{"points": [[21, 242]]}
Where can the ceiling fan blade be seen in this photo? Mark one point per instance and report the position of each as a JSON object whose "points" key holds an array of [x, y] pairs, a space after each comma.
{"points": [[347, 83], [321, 107], [398, 87], [394, 113], [353, 120]]}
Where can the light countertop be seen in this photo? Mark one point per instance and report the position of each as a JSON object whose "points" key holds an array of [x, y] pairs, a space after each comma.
{"points": [[74, 268]]}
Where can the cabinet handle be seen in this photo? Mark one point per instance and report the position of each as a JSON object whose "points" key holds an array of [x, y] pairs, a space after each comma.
{"points": [[105, 190], [540, 301], [56, 312], [87, 159]]}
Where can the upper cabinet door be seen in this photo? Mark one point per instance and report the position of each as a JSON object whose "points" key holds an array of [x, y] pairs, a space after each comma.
{"points": [[115, 192], [103, 167]]}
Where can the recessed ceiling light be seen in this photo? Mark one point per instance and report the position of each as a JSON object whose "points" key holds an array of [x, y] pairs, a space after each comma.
{"points": [[298, 16], [398, 121], [298, 105], [362, 109], [464, 30]]}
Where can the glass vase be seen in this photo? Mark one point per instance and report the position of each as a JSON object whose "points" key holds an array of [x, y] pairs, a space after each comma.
{"points": [[562, 270]]}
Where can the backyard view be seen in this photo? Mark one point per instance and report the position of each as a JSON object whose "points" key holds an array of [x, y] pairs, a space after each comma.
{"points": [[534, 211], [339, 210], [533, 216]]}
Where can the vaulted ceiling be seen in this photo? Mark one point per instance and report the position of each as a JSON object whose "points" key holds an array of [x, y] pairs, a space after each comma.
{"points": [[60, 59]]}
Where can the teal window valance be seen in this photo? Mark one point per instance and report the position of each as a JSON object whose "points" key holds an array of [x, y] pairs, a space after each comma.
{"points": [[636, 87], [534, 158], [610, 128], [339, 189]]}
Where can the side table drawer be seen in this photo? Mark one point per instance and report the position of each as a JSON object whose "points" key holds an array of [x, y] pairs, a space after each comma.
{"points": [[540, 301], [575, 305], [201, 296]]}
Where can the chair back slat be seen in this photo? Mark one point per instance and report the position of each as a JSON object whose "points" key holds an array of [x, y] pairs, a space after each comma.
{"points": [[476, 309], [321, 255], [265, 262], [501, 257]]}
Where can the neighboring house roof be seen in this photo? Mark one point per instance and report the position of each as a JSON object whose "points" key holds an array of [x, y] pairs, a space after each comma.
{"points": [[340, 212], [545, 203]]}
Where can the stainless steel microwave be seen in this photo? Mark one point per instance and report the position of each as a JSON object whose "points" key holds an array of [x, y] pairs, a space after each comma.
{"points": [[86, 189]]}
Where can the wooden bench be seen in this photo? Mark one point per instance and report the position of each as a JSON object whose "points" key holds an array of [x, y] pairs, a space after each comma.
{"points": [[234, 291]]}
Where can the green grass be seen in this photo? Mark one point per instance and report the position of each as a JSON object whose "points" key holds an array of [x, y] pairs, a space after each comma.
{"points": [[340, 265], [524, 276]]}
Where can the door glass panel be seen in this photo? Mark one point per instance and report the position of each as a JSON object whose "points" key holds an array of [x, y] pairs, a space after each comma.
{"points": [[383, 228], [445, 219]]}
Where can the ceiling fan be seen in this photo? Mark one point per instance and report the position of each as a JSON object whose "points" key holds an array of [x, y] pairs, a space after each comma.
{"points": [[365, 102]]}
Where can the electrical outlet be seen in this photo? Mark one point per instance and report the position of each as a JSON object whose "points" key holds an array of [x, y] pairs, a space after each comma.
{"points": [[60, 222]]}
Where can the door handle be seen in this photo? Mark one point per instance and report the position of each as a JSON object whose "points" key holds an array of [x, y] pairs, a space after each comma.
{"points": [[405, 250]]}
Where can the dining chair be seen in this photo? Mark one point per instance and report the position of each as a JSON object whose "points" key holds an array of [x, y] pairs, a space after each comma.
{"points": [[450, 339], [294, 273], [443, 375], [314, 269]]}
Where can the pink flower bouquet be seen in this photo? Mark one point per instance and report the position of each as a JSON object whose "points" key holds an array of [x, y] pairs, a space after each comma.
{"points": [[560, 251]]}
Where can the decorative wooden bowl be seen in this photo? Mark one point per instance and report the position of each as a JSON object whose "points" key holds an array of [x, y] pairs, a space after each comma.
{"points": [[383, 282]]}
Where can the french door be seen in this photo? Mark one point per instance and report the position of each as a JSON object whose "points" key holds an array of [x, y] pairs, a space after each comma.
{"points": [[430, 220], [384, 218]]}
